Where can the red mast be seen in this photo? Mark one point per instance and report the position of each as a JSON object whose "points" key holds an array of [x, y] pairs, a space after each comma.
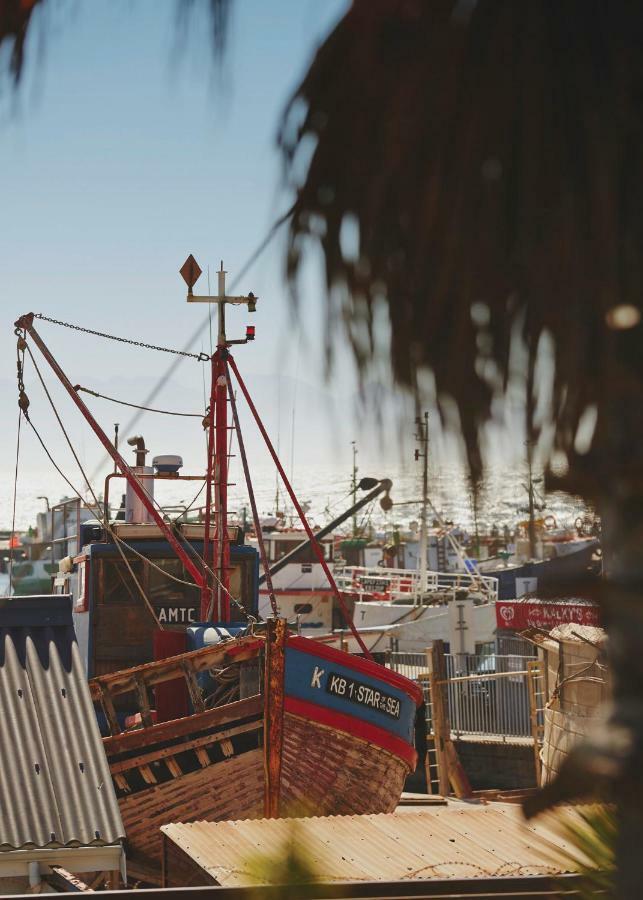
{"points": [[215, 594]]}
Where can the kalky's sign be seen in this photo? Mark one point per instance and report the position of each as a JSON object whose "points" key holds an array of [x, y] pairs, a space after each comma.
{"points": [[520, 614]]}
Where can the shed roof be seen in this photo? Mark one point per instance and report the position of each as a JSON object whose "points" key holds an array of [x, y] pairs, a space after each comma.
{"points": [[55, 785], [468, 841]]}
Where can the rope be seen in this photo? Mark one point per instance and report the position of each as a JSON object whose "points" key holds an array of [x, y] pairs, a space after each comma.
{"points": [[166, 412], [201, 357], [146, 599], [313, 540], [104, 520], [13, 517], [251, 495]]}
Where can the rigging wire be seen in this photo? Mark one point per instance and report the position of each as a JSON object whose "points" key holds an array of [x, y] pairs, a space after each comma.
{"points": [[169, 372], [165, 412], [316, 548], [104, 520], [253, 503], [23, 408]]}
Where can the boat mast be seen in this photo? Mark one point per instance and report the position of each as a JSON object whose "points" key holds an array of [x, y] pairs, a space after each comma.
{"points": [[532, 503], [354, 486], [422, 437], [215, 597]]}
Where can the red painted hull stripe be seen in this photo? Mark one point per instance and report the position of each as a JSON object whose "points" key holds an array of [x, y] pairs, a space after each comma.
{"points": [[314, 648], [355, 727]]}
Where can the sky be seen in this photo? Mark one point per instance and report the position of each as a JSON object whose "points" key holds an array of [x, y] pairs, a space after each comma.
{"points": [[124, 149]]}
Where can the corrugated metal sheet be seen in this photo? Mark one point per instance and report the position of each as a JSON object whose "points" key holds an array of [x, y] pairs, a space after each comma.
{"points": [[55, 785], [447, 842]]}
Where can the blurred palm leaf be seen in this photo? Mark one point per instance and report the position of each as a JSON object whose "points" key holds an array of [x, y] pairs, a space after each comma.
{"points": [[487, 153], [592, 834]]}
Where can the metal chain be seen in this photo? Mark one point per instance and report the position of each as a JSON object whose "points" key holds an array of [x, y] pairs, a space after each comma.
{"points": [[201, 357]]}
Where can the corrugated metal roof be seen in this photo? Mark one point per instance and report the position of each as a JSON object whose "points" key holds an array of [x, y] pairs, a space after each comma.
{"points": [[471, 841], [55, 785]]}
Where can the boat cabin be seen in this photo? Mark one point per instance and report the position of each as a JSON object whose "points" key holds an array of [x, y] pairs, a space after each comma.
{"points": [[117, 617]]}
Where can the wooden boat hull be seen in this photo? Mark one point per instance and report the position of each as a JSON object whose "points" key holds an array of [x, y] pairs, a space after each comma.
{"points": [[332, 734]]}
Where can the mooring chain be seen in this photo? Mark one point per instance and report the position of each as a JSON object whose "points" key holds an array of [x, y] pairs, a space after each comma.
{"points": [[201, 357]]}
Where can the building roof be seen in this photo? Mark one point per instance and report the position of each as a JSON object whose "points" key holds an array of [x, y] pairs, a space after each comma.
{"points": [[55, 785], [448, 842]]}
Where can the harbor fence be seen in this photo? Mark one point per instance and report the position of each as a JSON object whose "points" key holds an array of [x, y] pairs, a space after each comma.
{"points": [[476, 697], [487, 694]]}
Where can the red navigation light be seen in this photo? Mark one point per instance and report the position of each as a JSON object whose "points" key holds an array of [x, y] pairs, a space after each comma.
{"points": [[250, 332]]}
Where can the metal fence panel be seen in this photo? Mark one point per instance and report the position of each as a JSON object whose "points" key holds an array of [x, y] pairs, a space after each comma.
{"points": [[495, 703]]}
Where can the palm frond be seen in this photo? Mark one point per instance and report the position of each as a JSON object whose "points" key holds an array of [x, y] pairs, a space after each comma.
{"points": [[15, 19], [488, 153]]}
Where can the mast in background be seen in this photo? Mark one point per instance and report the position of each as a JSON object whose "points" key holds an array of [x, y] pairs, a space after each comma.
{"points": [[354, 486], [422, 452]]}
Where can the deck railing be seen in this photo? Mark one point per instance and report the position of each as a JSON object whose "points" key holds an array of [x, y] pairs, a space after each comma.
{"points": [[400, 584]]}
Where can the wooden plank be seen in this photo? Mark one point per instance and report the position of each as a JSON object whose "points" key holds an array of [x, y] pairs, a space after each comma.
{"points": [[174, 768], [147, 774], [107, 705], [535, 671], [276, 635], [168, 752], [194, 690], [165, 731], [435, 662], [450, 769], [143, 703], [157, 671], [203, 757], [457, 775], [62, 880]]}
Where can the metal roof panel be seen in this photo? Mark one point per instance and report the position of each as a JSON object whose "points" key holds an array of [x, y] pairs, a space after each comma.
{"points": [[465, 841], [55, 785]]}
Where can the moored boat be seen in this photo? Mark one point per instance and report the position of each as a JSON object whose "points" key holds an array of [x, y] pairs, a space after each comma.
{"points": [[315, 732], [219, 717]]}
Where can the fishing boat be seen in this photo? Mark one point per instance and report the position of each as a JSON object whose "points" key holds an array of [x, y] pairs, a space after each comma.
{"points": [[206, 712]]}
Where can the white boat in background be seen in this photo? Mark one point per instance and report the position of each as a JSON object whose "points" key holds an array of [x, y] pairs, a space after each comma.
{"points": [[301, 588], [407, 609]]}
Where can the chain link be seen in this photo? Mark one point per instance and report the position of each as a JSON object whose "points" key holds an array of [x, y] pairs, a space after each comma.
{"points": [[201, 357]]}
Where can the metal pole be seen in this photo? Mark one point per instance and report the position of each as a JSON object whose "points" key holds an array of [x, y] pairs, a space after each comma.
{"points": [[354, 486], [221, 472], [26, 322], [423, 437], [207, 593]]}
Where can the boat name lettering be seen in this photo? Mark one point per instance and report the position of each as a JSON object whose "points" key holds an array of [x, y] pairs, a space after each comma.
{"points": [[317, 674], [177, 614], [374, 584], [363, 694]]}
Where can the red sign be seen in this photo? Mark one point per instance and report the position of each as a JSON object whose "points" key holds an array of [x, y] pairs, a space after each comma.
{"points": [[520, 614]]}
